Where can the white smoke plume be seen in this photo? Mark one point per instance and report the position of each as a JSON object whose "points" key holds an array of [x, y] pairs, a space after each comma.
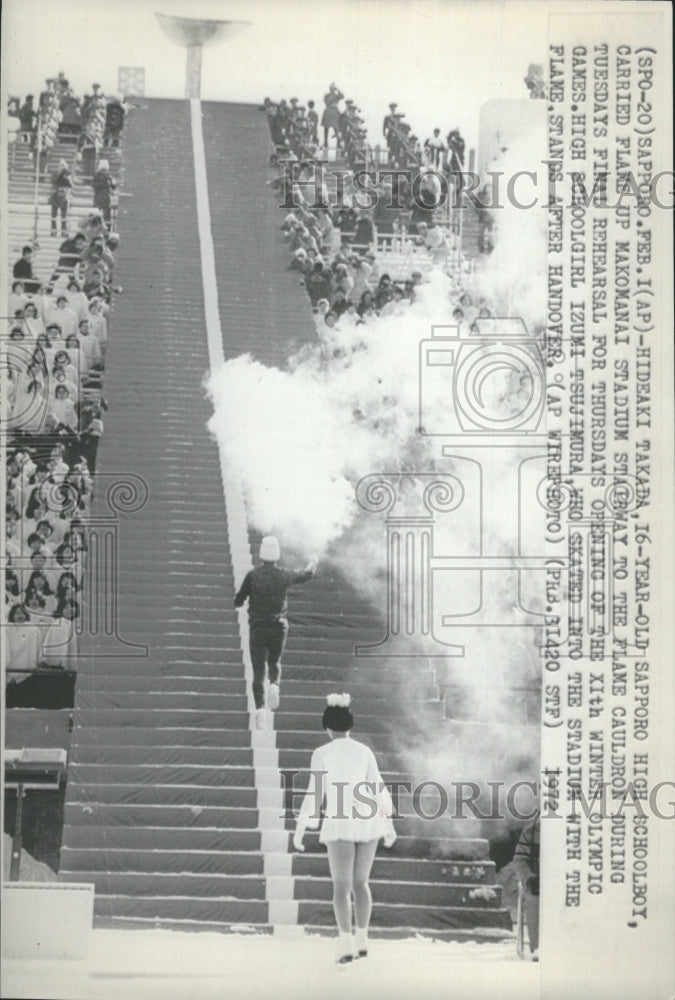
{"points": [[347, 406]]}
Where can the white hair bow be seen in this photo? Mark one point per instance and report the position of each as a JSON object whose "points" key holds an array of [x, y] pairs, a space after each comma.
{"points": [[339, 700]]}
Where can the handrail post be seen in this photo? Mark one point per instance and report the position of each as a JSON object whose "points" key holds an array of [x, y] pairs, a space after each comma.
{"points": [[38, 150]]}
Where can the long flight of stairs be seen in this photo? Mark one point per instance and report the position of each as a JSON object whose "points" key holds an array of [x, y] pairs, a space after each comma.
{"points": [[162, 809]]}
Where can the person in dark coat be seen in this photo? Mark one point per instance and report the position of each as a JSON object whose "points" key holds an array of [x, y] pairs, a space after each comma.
{"points": [[330, 118], [313, 123], [27, 114], [114, 122], [59, 199], [526, 864], [365, 231], [265, 589], [23, 270]]}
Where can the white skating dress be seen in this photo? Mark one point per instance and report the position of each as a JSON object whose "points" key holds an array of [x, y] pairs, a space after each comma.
{"points": [[358, 806]]}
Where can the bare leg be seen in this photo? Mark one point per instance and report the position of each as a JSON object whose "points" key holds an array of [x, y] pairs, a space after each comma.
{"points": [[341, 855], [363, 900]]}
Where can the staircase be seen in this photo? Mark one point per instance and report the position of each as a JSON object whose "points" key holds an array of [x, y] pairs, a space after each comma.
{"points": [[168, 811], [161, 808], [21, 215]]}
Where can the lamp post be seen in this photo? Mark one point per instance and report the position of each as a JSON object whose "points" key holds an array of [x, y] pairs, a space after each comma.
{"points": [[193, 33]]}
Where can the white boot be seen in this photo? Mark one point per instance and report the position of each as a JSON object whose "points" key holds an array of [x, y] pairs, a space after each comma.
{"points": [[273, 697], [261, 719], [361, 942], [345, 949]]}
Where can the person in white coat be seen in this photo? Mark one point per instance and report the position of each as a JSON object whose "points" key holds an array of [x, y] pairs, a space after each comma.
{"points": [[358, 813], [23, 643]]}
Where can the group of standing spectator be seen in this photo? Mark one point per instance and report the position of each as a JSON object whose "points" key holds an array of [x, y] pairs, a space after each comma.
{"points": [[297, 128], [96, 118]]}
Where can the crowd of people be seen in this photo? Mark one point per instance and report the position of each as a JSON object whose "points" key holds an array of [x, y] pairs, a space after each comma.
{"points": [[295, 127], [96, 119], [55, 366], [334, 247]]}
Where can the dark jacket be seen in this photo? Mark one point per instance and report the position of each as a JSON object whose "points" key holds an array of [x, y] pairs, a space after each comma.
{"points": [[265, 587]]}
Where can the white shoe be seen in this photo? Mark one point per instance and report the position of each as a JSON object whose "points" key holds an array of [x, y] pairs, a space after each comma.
{"points": [[273, 697], [344, 951], [261, 719]]}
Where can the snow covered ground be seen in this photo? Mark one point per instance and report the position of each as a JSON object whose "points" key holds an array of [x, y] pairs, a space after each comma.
{"points": [[166, 965]]}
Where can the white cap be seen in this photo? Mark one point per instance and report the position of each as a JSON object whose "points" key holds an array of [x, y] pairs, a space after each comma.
{"points": [[269, 549]]}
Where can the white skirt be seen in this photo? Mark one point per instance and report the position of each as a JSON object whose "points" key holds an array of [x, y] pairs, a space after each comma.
{"points": [[353, 828]]}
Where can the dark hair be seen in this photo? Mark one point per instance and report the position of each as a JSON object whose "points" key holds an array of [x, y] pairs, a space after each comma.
{"points": [[37, 574], [337, 718], [32, 594], [14, 611], [26, 249], [72, 605], [62, 582]]}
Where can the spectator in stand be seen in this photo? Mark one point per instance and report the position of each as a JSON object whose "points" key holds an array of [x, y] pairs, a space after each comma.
{"points": [[91, 438], [62, 361], [330, 119], [27, 114], [366, 305], [59, 378], [23, 640], [104, 185], [455, 157], [434, 148], [89, 347], [71, 251], [313, 123], [62, 410], [23, 270], [97, 322], [77, 300], [12, 588], [59, 646], [64, 316], [59, 198], [33, 324], [364, 236], [114, 121], [17, 297]]}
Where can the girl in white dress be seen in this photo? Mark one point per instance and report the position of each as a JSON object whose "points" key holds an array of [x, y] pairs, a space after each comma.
{"points": [[358, 811]]}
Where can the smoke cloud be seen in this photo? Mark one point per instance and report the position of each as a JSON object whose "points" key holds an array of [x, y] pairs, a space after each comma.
{"points": [[348, 405]]}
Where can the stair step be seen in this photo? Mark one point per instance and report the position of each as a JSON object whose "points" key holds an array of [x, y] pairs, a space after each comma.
{"points": [[152, 700], [412, 915], [394, 869], [226, 911], [165, 736], [187, 815], [420, 893], [193, 885], [448, 849], [95, 754], [161, 774], [130, 794], [87, 859], [98, 834]]}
